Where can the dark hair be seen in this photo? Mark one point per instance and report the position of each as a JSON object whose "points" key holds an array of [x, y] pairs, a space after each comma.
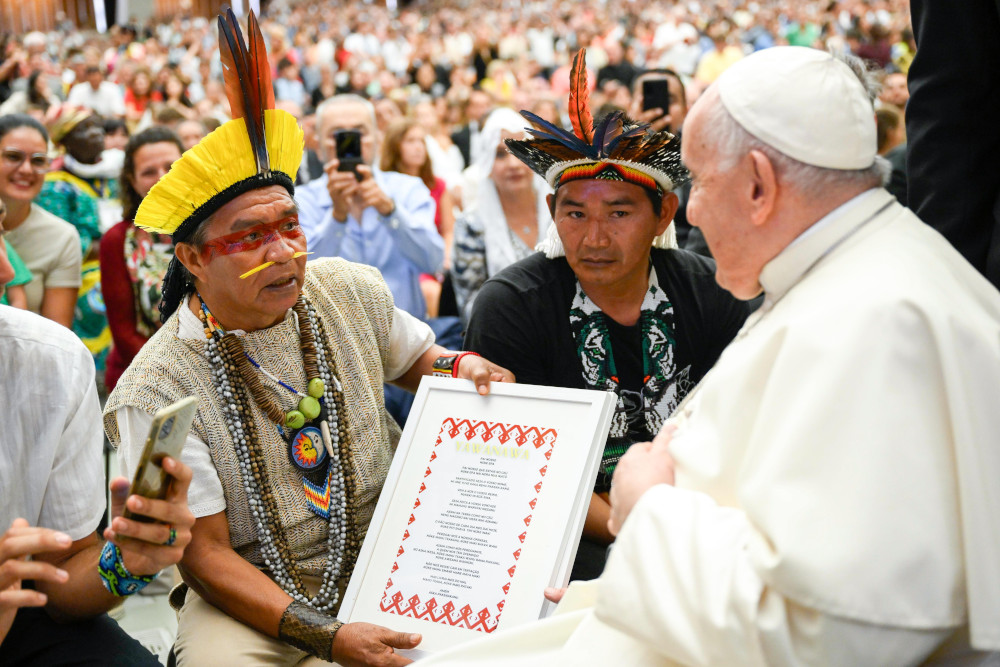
{"points": [[112, 125], [34, 98], [154, 135], [887, 119], [14, 121], [663, 71]]}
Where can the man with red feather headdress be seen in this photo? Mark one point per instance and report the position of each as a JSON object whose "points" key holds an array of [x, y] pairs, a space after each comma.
{"points": [[612, 304], [291, 443]]}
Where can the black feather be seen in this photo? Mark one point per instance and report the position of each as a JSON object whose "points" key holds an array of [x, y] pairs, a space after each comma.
{"points": [[550, 131], [602, 130]]}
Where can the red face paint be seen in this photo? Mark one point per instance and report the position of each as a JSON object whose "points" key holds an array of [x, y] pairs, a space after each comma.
{"points": [[253, 238]]}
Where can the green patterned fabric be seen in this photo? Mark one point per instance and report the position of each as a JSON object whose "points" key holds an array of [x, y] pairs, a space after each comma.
{"points": [[65, 200], [663, 384], [22, 275]]}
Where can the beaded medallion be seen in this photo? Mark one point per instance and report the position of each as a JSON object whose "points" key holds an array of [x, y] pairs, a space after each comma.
{"points": [[306, 449]]}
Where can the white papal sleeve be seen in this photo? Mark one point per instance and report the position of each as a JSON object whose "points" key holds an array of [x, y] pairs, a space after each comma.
{"points": [[679, 580], [205, 496]]}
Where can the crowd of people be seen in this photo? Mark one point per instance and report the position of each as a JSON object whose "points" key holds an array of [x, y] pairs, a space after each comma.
{"points": [[434, 72], [437, 163]]}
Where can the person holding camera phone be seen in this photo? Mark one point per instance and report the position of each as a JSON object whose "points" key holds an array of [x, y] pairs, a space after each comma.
{"points": [[350, 213], [52, 601], [659, 98]]}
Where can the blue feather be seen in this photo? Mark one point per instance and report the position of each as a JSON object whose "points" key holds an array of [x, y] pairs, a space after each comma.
{"points": [[550, 131]]}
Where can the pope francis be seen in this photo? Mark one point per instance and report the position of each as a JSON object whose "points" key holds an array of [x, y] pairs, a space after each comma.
{"points": [[828, 495]]}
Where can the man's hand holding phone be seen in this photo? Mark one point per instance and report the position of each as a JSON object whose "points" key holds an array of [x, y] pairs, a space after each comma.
{"points": [[150, 546], [657, 118], [342, 185], [353, 191]]}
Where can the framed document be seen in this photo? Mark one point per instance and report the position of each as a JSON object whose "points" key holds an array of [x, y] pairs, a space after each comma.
{"points": [[482, 509]]}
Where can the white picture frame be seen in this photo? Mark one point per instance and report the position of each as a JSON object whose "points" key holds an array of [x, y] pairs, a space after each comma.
{"points": [[580, 419]]}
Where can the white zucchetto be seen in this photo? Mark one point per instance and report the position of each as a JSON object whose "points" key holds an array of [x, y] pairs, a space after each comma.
{"points": [[804, 103]]}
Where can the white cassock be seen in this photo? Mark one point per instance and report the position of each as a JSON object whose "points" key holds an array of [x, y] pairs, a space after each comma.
{"points": [[837, 496]]}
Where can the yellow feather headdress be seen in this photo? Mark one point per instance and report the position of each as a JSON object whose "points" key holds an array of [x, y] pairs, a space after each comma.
{"points": [[261, 146]]}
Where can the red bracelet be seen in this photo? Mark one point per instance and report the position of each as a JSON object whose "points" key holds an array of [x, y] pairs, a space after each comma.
{"points": [[458, 358]]}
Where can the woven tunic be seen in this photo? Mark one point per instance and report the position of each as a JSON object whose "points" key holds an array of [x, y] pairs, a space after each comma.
{"points": [[356, 309]]}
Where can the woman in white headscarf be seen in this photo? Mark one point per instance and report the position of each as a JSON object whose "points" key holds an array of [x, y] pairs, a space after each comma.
{"points": [[509, 217]]}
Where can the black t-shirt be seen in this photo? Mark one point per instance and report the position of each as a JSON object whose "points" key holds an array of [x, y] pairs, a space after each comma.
{"points": [[521, 321]]}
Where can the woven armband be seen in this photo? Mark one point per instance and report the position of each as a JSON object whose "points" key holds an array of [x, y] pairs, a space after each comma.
{"points": [[115, 576], [309, 630]]}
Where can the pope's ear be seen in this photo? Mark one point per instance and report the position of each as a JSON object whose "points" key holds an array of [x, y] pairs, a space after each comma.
{"points": [[192, 259], [764, 187], [667, 212]]}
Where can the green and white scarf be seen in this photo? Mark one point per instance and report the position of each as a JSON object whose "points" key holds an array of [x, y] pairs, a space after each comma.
{"points": [[663, 384]]}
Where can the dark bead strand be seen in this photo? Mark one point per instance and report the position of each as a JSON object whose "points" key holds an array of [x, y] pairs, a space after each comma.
{"points": [[234, 346]]}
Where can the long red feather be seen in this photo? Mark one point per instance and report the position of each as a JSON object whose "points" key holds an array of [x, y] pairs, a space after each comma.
{"points": [[260, 64], [579, 98], [247, 76], [261, 90]]}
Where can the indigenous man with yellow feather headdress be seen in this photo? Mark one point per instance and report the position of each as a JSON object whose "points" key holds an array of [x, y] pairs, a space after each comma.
{"points": [[291, 443]]}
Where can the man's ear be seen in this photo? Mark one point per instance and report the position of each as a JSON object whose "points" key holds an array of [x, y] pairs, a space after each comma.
{"points": [[551, 201], [667, 212], [764, 187], [192, 260]]}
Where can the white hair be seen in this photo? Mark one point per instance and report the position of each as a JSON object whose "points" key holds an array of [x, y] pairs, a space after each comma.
{"points": [[732, 143], [34, 39], [340, 100]]}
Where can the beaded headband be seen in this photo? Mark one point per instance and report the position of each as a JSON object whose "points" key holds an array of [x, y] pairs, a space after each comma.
{"points": [[608, 171]]}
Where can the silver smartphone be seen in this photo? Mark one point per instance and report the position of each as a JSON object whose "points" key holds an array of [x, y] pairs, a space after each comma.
{"points": [[166, 437]]}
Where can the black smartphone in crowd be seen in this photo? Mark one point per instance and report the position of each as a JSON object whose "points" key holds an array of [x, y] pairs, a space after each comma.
{"points": [[348, 143], [656, 95]]}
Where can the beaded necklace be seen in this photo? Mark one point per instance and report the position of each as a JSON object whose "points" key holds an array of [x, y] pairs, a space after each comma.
{"points": [[228, 358]]}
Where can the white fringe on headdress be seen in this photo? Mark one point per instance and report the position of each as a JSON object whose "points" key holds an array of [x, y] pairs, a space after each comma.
{"points": [[552, 245]]}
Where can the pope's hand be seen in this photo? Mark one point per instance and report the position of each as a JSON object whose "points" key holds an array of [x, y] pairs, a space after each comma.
{"points": [[554, 594], [20, 542], [482, 372], [367, 645], [643, 466], [147, 548]]}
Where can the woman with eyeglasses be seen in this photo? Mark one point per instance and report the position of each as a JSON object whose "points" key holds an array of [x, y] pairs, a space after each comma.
{"points": [[133, 261], [49, 246]]}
